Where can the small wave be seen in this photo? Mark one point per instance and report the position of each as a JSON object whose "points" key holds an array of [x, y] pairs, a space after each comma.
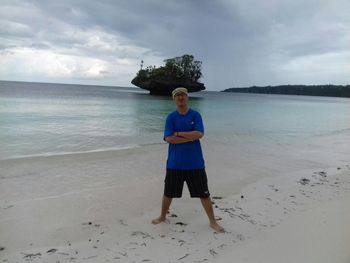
{"points": [[336, 132], [48, 154], [107, 149], [152, 143]]}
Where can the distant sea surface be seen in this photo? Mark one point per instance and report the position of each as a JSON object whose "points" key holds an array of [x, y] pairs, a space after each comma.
{"points": [[38, 119]]}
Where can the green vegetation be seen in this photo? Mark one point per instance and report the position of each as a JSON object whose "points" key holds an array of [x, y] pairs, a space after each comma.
{"points": [[178, 71], [310, 90], [184, 67]]}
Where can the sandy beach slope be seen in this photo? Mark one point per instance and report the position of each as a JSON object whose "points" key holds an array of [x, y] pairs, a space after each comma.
{"points": [[319, 234], [278, 203]]}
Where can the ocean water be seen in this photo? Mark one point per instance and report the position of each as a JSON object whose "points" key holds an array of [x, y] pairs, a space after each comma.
{"points": [[46, 119]]}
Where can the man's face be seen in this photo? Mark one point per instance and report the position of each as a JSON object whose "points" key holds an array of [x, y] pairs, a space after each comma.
{"points": [[181, 99]]}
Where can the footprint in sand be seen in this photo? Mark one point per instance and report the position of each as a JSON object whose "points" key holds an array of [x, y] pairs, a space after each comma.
{"points": [[90, 224], [7, 207], [51, 251], [212, 252], [304, 181], [143, 234], [185, 256], [180, 224], [31, 256], [222, 246], [121, 221]]}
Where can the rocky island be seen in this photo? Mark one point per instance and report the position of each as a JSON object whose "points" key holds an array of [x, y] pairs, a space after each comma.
{"points": [[181, 71]]}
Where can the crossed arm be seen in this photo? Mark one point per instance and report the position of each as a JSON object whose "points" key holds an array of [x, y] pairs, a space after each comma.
{"points": [[182, 137]]}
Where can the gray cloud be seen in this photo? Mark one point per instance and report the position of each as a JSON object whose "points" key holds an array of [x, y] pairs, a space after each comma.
{"points": [[241, 43]]}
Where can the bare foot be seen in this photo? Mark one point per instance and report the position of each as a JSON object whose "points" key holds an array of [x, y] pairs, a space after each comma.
{"points": [[158, 220], [217, 227]]}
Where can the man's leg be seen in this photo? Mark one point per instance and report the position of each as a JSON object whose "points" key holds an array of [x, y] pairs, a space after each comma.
{"points": [[208, 207], [166, 201]]}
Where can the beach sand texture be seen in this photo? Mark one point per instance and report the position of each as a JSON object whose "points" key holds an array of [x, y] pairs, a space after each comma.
{"points": [[277, 203]]}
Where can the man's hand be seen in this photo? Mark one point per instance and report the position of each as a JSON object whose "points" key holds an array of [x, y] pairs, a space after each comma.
{"points": [[177, 140], [193, 135], [183, 137]]}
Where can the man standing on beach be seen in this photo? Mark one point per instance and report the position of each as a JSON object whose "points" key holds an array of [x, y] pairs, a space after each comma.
{"points": [[183, 129]]}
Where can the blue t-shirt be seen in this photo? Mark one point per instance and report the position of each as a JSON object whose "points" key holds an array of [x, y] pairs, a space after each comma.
{"points": [[184, 156]]}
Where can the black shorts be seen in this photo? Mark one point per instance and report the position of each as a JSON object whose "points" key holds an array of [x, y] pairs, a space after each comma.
{"points": [[196, 181]]}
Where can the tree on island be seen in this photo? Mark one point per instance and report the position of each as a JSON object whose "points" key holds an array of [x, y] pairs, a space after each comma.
{"points": [[309, 90], [181, 71]]}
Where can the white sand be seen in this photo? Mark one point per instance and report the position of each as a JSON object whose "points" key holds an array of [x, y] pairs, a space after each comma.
{"points": [[320, 234], [97, 207]]}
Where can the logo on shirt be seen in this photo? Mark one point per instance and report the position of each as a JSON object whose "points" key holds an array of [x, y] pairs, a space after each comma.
{"points": [[192, 122]]}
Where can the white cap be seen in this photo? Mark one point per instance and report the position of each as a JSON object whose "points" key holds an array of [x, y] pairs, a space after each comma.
{"points": [[179, 90]]}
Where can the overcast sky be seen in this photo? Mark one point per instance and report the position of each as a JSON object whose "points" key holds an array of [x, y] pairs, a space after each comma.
{"points": [[240, 42]]}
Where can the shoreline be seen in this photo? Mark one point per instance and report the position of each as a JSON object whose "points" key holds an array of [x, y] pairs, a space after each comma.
{"points": [[100, 150]]}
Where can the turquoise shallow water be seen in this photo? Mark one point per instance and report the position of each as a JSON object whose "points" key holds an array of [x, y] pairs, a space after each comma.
{"points": [[45, 119]]}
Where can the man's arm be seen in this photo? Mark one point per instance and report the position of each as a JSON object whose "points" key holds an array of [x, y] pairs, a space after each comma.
{"points": [[192, 135], [177, 139]]}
